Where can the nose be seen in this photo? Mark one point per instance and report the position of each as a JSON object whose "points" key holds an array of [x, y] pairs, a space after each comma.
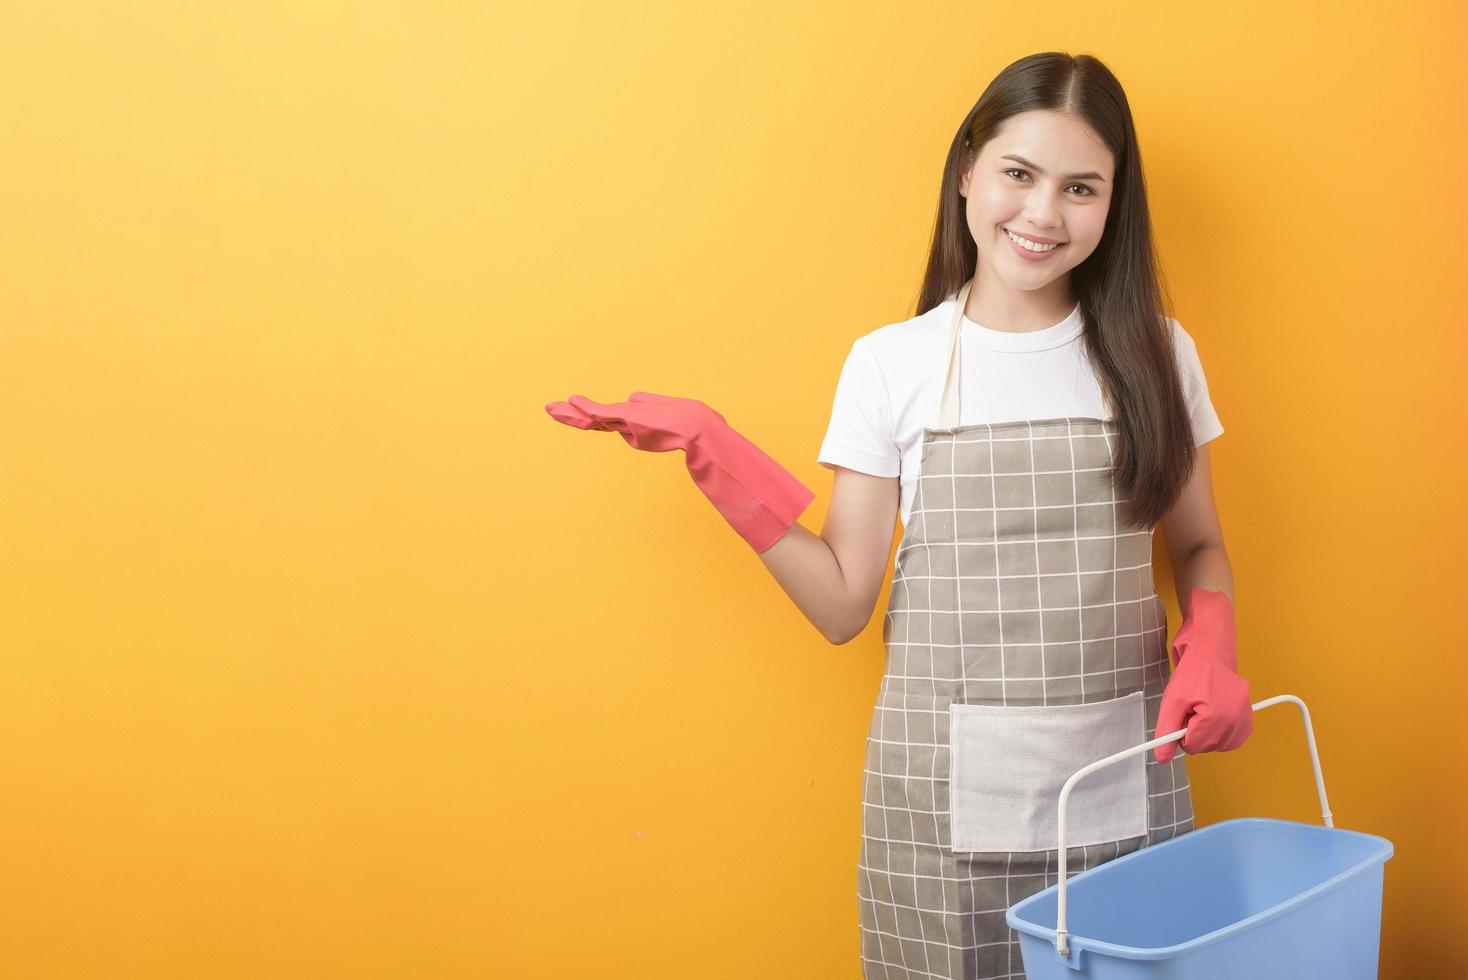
{"points": [[1041, 210]]}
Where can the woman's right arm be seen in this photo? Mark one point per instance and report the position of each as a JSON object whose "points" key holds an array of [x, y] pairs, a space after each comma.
{"points": [[836, 577]]}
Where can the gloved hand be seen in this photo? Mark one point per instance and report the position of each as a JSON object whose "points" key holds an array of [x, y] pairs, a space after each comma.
{"points": [[1205, 694], [756, 495]]}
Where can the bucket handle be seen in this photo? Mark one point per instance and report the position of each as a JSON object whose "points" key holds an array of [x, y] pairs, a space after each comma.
{"points": [[1062, 944]]}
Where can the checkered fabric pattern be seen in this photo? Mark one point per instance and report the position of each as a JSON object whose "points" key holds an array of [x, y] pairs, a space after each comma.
{"points": [[1015, 584]]}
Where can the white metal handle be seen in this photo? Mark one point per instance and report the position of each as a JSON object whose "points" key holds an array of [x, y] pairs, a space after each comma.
{"points": [[1062, 945]]}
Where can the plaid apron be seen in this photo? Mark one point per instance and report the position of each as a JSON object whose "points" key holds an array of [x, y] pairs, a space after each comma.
{"points": [[1024, 640]]}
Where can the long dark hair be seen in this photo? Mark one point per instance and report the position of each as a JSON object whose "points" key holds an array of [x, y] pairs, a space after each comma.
{"points": [[1119, 285]]}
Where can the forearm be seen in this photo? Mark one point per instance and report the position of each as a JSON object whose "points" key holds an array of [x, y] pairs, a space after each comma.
{"points": [[1205, 568], [806, 568]]}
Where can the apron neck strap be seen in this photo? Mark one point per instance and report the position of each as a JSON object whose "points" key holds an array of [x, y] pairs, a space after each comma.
{"points": [[950, 406]]}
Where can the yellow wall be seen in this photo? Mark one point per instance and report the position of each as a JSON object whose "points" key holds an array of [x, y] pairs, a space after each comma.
{"points": [[329, 654]]}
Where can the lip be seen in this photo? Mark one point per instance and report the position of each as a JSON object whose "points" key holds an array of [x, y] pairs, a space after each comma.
{"points": [[1029, 256], [1036, 238]]}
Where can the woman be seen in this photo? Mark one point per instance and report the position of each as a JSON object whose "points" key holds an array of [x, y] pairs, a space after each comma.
{"points": [[1031, 425]]}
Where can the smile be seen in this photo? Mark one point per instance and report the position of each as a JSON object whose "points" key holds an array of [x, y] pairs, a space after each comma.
{"points": [[1032, 251], [1030, 246]]}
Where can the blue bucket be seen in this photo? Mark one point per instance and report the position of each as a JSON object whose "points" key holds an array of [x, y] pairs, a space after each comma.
{"points": [[1249, 898]]}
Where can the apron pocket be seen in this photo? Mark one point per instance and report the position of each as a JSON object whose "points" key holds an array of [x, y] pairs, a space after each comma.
{"points": [[1007, 765]]}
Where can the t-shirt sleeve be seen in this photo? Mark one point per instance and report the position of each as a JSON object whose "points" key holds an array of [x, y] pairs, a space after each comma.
{"points": [[861, 435], [1206, 425]]}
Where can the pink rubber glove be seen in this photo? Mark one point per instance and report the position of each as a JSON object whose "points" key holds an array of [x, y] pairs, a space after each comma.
{"points": [[1205, 694], [756, 495]]}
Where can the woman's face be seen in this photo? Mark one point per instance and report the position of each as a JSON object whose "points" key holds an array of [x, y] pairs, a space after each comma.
{"points": [[1058, 189]]}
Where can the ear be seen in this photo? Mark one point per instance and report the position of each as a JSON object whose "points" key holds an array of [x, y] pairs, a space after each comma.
{"points": [[966, 172]]}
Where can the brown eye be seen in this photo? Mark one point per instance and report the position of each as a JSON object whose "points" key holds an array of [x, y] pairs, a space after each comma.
{"points": [[1089, 192]]}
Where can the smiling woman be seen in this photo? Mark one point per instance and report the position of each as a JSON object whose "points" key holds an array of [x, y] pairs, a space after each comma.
{"points": [[1030, 427], [1035, 422]]}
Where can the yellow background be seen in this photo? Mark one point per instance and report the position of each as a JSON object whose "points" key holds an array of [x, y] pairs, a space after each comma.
{"points": [[329, 654]]}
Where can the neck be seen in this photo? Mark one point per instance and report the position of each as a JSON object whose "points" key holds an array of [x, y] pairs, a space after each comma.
{"points": [[1019, 310]]}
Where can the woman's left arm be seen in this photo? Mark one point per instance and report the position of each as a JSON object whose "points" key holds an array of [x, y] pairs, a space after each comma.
{"points": [[1204, 693], [1194, 539]]}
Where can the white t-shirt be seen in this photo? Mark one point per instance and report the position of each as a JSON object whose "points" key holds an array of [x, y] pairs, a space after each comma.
{"points": [[893, 378]]}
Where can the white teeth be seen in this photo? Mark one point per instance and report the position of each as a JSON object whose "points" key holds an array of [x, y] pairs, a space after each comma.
{"points": [[1031, 246]]}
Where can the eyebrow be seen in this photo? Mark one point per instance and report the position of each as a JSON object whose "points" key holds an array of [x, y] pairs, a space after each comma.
{"points": [[1087, 176]]}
